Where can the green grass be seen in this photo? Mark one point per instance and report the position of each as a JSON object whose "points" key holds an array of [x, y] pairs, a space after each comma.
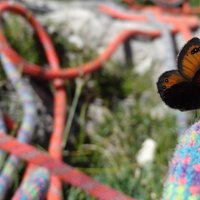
{"points": [[113, 144], [106, 149], [195, 2]]}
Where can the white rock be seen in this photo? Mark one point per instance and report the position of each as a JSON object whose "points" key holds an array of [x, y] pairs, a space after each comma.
{"points": [[147, 152], [144, 65], [76, 40], [97, 112]]}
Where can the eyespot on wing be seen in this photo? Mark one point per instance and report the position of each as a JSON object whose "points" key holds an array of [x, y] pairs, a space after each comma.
{"points": [[168, 79], [189, 58]]}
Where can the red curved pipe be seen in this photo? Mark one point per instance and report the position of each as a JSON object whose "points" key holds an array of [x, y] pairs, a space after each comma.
{"points": [[184, 9], [67, 73], [176, 21], [73, 72], [116, 13]]}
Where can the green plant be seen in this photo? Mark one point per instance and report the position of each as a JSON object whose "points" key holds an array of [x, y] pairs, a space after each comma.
{"points": [[109, 150]]}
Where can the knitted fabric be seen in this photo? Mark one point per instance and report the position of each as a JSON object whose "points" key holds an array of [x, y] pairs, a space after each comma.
{"points": [[3, 129], [183, 181], [26, 129], [34, 187]]}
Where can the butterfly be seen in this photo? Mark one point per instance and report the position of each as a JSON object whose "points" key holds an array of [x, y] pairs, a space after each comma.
{"points": [[180, 89]]}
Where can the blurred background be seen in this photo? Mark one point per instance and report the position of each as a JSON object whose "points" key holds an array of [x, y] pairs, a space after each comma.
{"points": [[117, 128]]}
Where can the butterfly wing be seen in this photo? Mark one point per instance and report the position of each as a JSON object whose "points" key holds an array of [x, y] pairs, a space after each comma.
{"points": [[177, 92], [189, 59]]}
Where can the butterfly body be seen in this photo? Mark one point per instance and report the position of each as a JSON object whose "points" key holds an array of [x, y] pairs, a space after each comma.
{"points": [[180, 89]]}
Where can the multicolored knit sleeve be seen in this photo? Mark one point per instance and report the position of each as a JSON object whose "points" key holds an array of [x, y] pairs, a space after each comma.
{"points": [[27, 126], [183, 181], [35, 186]]}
